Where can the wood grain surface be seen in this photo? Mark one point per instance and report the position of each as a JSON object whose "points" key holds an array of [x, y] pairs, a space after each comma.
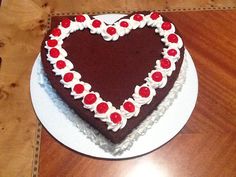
{"points": [[207, 143], [21, 31], [205, 147]]}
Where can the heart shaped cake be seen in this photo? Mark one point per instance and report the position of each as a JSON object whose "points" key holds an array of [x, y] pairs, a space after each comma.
{"points": [[113, 76]]}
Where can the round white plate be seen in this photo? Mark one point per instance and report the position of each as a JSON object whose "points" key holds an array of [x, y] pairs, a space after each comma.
{"points": [[165, 129]]}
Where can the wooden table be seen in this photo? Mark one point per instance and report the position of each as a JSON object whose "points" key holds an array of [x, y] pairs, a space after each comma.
{"points": [[206, 146]]}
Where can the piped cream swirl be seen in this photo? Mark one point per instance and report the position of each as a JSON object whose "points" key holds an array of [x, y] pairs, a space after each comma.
{"points": [[128, 114], [143, 100]]}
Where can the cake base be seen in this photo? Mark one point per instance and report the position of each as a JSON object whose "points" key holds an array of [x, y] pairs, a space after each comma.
{"points": [[66, 131]]}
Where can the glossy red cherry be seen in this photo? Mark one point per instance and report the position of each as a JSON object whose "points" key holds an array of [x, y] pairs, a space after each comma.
{"points": [[111, 30], [128, 106], [154, 15], [102, 107], [166, 26], [165, 63], [78, 88], [90, 98], [115, 117], [52, 42], [138, 17], [144, 91], [172, 38], [96, 23], [54, 52], [65, 23], [68, 77], [60, 64], [80, 18], [172, 52], [157, 76], [124, 24], [56, 32]]}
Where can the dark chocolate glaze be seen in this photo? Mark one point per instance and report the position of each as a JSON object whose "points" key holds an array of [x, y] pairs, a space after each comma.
{"points": [[112, 69]]}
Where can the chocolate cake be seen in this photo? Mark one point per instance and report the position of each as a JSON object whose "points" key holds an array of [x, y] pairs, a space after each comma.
{"points": [[113, 76]]}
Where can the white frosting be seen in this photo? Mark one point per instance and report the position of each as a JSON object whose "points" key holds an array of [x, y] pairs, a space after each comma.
{"points": [[137, 99], [155, 84], [74, 26], [92, 107], [82, 25], [60, 37], [69, 66], [163, 32], [87, 88], [154, 23], [94, 30], [123, 30], [75, 79], [108, 37], [164, 71], [143, 100], [172, 58], [112, 126], [179, 44], [62, 51], [65, 32], [128, 114], [137, 24]]}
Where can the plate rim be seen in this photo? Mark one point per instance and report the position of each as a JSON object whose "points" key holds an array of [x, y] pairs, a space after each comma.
{"points": [[102, 154]]}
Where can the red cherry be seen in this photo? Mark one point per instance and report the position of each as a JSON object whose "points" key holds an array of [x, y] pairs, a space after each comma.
{"points": [[165, 63], [78, 88], [172, 52], [128, 106], [172, 38], [52, 42], [144, 91], [96, 23], [54, 52], [111, 30], [65, 23], [138, 17], [90, 98], [157, 76], [115, 117], [154, 15], [56, 32], [60, 64], [80, 18], [102, 108], [166, 26], [124, 24], [68, 77]]}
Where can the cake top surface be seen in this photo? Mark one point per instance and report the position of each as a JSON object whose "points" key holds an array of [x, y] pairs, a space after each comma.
{"points": [[70, 65]]}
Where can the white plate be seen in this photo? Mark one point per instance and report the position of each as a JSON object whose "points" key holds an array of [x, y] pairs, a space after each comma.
{"points": [[165, 129]]}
